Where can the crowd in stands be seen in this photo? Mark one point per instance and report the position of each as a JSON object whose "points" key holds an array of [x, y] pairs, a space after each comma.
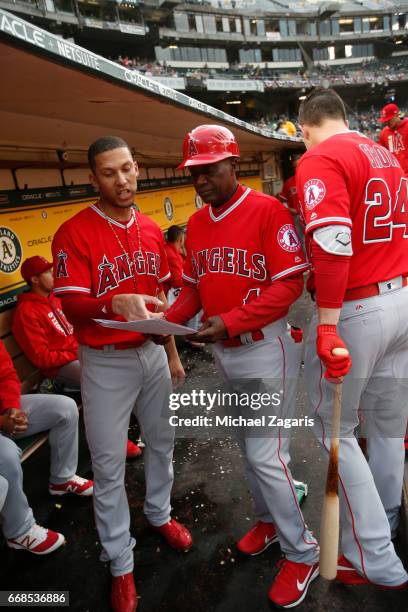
{"points": [[374, 71], [365, 121]]}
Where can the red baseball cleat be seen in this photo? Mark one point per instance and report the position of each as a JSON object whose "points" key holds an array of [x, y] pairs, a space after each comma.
{"points": [[132, 450], [347, 574], [77, 485], [123, 593], [257, 539], [176, 535], [291, 583], [38, 540]]}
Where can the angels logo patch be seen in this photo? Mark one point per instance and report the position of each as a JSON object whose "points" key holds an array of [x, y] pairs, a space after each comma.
{"points": [[61, 271], [288, 238], [314, 192], [192, 147]]}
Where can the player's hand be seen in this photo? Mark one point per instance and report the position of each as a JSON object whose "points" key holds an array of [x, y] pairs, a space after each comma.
{"points": [[177, 372], [212, 330], [161, 340], [14, 422], [132, 306], [327, 341]]}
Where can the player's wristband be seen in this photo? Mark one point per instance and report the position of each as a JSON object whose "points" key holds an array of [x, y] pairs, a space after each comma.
{"points": [[326, 330]]}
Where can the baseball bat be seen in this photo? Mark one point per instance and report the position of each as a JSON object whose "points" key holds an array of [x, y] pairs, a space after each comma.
{"points": [[330, 520]]}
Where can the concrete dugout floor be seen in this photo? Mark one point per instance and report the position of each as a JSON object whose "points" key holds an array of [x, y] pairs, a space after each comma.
{"points": [[210, 495]]}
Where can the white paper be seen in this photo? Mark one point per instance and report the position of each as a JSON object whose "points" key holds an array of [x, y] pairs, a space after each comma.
{"points": [[148, 326]]}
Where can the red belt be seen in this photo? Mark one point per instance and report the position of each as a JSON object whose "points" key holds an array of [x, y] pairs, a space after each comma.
{"points": [[360, 293], [295, 332], [231, 342], [122, 346]]}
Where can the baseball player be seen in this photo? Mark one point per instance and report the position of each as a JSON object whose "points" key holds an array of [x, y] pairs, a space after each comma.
{"points": [[394, 136], [25, 416], [174, 246], [110, 262], [288, 195], [244, 265], [353, 199]]}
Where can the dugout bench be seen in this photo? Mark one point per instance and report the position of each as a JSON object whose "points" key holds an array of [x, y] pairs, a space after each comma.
{"points": [[29, 376]]}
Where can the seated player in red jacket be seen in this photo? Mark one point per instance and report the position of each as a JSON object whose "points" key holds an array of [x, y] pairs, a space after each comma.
{"points": [[21, 417], [44, 333], [41, 328]]}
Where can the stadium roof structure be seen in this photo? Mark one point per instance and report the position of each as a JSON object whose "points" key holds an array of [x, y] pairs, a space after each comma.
{"points": [[302, 7], [55, 92]]}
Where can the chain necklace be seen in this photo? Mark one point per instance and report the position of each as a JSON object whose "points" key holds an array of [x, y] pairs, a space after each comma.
{"points": [[129, 258]]}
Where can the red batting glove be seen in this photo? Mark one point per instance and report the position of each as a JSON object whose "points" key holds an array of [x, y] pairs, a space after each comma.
{"points": [[327, 340]]}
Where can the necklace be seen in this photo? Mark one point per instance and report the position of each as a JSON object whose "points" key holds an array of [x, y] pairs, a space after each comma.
{"points": [[129, 258]]}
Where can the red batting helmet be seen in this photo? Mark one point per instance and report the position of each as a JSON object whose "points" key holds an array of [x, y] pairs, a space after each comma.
{"points": [[208, 144]]}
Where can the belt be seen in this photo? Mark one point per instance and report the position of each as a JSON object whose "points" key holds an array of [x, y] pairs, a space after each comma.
{"points": [[244, 339], [122, 346], [255, 336], [361, 293]]}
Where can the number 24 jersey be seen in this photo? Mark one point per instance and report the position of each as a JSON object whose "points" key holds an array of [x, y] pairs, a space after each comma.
{"points": [[350, 180]]}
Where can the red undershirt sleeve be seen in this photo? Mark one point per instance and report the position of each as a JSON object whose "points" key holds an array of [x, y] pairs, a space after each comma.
{"points": [[79, 308], [330, 276], [272, 304]]}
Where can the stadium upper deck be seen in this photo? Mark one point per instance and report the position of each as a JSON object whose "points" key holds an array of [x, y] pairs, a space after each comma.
{"points": [[249, 58]]}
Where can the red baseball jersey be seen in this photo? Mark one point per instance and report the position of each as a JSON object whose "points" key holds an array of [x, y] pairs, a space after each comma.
{"points": [[236, 251], [350, 180], [96, 259], [396, 141], [289, 194], [176, 263]]}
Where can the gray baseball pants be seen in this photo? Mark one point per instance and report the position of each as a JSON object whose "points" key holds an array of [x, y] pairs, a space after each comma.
{"points": [[59, 415], [275, 361], [70, 374], [116, 383], [375, 331]]}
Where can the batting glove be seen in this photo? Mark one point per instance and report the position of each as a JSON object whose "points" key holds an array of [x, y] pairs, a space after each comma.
{"points": [[327, 340]]}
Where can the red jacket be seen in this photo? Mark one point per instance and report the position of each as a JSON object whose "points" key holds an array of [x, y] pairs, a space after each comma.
{"points": [[44, 333], [9, 382], [176, 262]]}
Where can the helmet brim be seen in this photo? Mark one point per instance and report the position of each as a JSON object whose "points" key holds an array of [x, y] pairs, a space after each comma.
{"points": [[204, 159]]}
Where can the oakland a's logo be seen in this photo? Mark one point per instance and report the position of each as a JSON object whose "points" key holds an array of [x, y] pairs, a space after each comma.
{"points": [[288, 238], [314, 192], [168, 208], [61, 271], [10, 251]]}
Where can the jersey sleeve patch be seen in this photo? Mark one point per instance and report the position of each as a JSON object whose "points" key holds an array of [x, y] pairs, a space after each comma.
{"points": [[61, 265], [314, 191], [288, 239]]}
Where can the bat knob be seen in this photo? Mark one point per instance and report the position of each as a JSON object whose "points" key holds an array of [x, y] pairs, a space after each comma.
{"points": [[340, 352]]}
